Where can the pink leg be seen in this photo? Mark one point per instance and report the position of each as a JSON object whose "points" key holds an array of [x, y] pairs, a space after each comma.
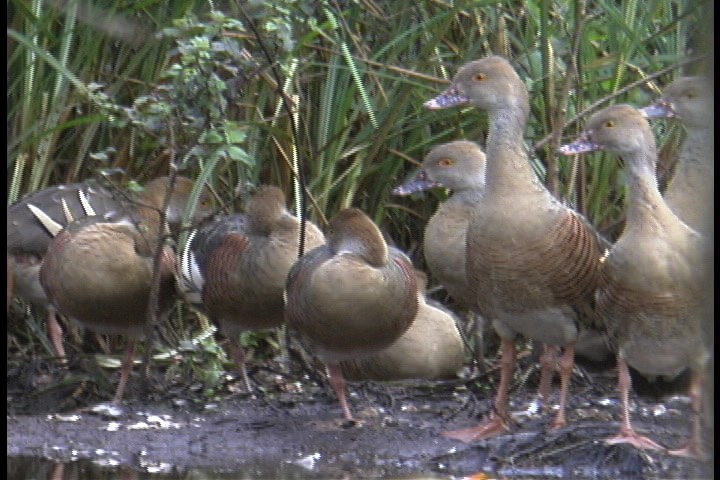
{"points": [[497, 423], [627, 434], [695, 448], [125, 371], [238, 355], [337, 380], [55, 332], [548, 363], [566, 365]]}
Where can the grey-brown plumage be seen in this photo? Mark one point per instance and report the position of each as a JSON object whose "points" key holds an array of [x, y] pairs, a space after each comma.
{"points": [[431, 348], [690, 192], [532, 261], [352, 297], [235, 268], [28, 238], [650, 296], [98, 271], [458, 165]]}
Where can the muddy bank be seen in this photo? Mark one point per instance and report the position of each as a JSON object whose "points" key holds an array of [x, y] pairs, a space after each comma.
{"points": [[292, 429]]}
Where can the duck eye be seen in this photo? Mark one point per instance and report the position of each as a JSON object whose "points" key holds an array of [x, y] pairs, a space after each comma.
{"points": [[480, 77], [446, 162], [610, 123]]}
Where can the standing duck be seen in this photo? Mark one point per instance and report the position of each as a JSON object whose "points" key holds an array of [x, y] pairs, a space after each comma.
{"points": [[690, 191], [98, 270], [352, 297], [650, 296], [458, 166], [431, 349], [234, 268], [532, 261], [28, 238]]}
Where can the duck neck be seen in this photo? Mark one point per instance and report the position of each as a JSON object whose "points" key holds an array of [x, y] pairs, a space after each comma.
{"points": [[508, 166], [695, 159], [646, 207]]}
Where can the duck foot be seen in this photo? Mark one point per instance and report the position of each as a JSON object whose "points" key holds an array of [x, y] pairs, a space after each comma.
{"points": [[490, 428], [635, 439], [693, 451]]}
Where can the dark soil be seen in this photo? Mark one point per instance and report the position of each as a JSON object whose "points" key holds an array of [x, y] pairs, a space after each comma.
{"points": [[291, 427]]}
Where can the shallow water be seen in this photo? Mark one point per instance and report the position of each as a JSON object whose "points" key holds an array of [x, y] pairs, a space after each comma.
{"points": [[43, 468]]}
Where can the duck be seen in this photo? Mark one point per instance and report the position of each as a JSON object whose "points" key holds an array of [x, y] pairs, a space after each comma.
{"points": [[350, 298], [651, 294], [431, 349], [690, 191], [459, 166], [234, 268], [532, 261], [28, 238], [99, 270]]}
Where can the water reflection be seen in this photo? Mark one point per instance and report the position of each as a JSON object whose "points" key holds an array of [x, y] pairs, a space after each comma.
{"points": [[37, 468]]}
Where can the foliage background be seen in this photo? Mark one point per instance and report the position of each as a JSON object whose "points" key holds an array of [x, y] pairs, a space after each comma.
{"points": [[327, 92]]}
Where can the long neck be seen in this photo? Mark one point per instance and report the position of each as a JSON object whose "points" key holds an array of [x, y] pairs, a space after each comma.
{"points": [[508, 167], [646, 207], [690, 191], [696, 159]]}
